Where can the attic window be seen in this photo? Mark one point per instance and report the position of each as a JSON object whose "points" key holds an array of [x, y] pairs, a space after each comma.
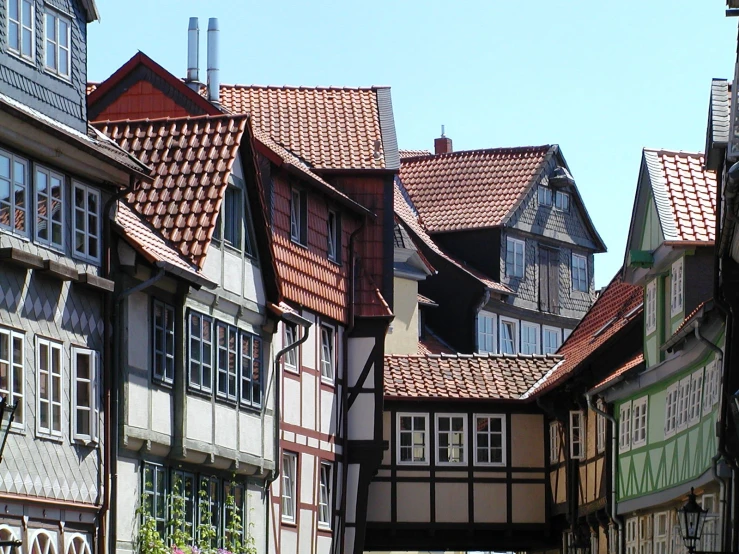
{"points": [[20, 27], [562, 201], [299, 216]]}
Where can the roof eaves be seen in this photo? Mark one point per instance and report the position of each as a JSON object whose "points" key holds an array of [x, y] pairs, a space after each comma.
{"points": [[91, 10]]}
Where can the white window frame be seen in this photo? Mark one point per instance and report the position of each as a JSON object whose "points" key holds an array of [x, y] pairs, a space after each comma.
{"points": [[55, 427], [676, 287], [639, 421], [15, 397], [450, 445], [77, 543], [672, 404], [537, 334], [23, 25], [502, 320], [328, 359], [544, 196], [601, 430], [12, 181], [292, 356], [57, 19], [711, 527], [86, 232], [51, 541], [577, 435], [562, 201], [298, 208], [289, 487], [683, 405], [579, 265], [160, 334], [512, 247], [624, 427], [426, 443], [696, 397], [325, 499], [203, 364], [646, 525], [487, 333], [632, 535], [650, 312], [661, 533], [92, 384], [711, 387], [555, 330], [490, 434], [554, 445], [232, 351], [48, 201], [333, 236]]}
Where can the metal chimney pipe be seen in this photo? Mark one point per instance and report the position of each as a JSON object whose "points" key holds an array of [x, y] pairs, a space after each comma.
{"points": [[193, 54], [214, 83]]}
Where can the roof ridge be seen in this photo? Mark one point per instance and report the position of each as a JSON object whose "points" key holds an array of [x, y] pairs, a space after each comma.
{"points": [[479, 151], [173, 119], [302, 87]]}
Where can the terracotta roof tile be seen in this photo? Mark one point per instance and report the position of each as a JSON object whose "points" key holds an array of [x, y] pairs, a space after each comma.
{"points": [[413, 153], [471, 189], [632, 363], [432, 344], [425, 300], [460, 376]]}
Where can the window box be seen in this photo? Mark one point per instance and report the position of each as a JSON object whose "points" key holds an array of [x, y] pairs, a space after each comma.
{"points": [[451, 436], [412, 437], [490, 440]]}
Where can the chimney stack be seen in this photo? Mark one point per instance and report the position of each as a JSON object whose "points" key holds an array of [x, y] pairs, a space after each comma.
{"points": [[442, 145], [214, 84], [193, 55]]}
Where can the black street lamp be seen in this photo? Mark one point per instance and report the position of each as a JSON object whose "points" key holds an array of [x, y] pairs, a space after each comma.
{"points": [[691, 518]]}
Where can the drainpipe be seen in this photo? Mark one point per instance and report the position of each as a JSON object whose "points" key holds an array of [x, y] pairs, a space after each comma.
{"points": [[614, 451]]}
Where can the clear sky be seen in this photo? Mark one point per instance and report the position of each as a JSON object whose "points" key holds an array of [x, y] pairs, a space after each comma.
{"points": [[601, 79]]}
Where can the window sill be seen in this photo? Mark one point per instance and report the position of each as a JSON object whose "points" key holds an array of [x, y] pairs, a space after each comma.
{"points": [[291, 369], [452, 464], [323, 528], [85, 259], [490, 464], [199, 393], [49, 437], [87, 442], [288, 522], [412, 464], [30, 60], [336, 263], [59, 76], [297, 242], [328, 382]]}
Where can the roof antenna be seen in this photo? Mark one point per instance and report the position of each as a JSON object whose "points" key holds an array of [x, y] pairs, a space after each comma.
{"points": [[442, 130]]}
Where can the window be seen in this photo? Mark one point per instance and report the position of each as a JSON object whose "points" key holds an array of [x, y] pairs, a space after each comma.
{"points": [[163, 341], [650, 317], [155, 495], [554, 442], [710, 537], [226, 337], [57, 29], [291, 356], [183, 490], [327, 353], [210, 507], [577, 435], [639, 422], [624, 429], [712, 387], [43, 543], [508, 336], [661, 533], [78, 544], [601, 430], [49, 387], [8, 534], [49, 207], [683, 407], [289, 466], [251, 370], [85, 407], [324, 495], [11, 371], [544, 196], [551, 340], [645, 534], [232, 221], [562, 201], [549, 279], [20, 28], [672, 400], [696, 395], [529, 338], [298, 216], [234, 504], [486, 333], [632, 537], [412, 443], [514, 259], [333, 234], [451, 431], [580, 273], [490, 440], [86, 223], [13, 192], [201, 352], [676, 279]]}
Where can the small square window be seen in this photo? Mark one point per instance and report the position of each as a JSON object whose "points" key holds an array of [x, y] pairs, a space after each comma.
{"points": [[413, 438], [515, 258], [57, 29], [580, 281], [490, 437]]}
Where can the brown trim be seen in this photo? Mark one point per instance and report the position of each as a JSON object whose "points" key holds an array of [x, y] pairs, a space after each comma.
{"points": [[310, 433], [63, 504], [296, 448]]}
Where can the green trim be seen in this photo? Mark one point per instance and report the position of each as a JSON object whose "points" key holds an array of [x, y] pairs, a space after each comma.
{"points": [[641, 258]]}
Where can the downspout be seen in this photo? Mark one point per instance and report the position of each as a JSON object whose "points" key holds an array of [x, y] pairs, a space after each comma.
{"points": [[614, 466]]}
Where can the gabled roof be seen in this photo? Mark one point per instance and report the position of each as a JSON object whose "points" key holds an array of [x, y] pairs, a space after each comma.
{"points": [[464, 376], [684, 195]]}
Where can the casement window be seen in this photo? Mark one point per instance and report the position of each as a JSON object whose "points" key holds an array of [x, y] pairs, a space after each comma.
{"points": [[183, 488], [645, 534], [624, 427], [672, 405], [696, 395], [549, 279], [601, 429], [562, 201], [291, 356], [49, 387], [163, 342], [85, 405], [333, 236], [508, 336], [289, 497], [328, 355], [210, 507], [451, 432], [250, 393], [554, 443], [234, 496], [324, 495], [577, 435], [12, 375], [639, 420], [544, 196], [57, 32], [86, 222], [709, 537], [230, 225], [530, 338], [201, 352], [632, 536], [413, 438], [650, 315], [580, 273], [299, 216], [683, 405], [13, 192], [226, 360], [661, 532], [515, 258], [711, 387], [21, 36], [155, 495], [486, 333], [676, 280], [552, 339], [490, 437], [49, 207]]}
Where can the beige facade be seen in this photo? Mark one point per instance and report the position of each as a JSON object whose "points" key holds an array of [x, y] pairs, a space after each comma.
{"points": [[402, 338]]}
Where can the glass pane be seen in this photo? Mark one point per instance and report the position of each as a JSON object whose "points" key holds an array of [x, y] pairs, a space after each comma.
{"points": [[457, 423], [27, 13], [444, 424], [482, 440], [405, 439], [14, 9], [63, 61], [79, 197], [419, 423], [405, 423], [83, 422], [83, 394], [27, 40], [83, 366], [63, 33]]}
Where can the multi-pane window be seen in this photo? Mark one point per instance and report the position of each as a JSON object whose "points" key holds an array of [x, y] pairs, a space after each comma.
{"points": [[234, 504], [562, 201], [86, 222], [227, 359], [632, 536], [661, 532], [232, 222], [11, 370], [20, 27], [683, 409], [210, 507], [163, 341], [544, 196], [84, 394], [650, 315], [451, 431], [551, 340], [49, 207], [58, 38], [183, 491], [508, 336], [155, 495], [251, 370], [624, 427], [324, 495], [580, 273], [327, 352], [490, 440], [486, 333], [289, 466], [201, 352], [672, 401], [49, 379], [13, 192], [645, 534], [412, 438], [290, 337], [514, 260], [600, 431], [676, 279], [529, 338], [554, 442], [577, 435], [711, 387], [639, 409], [710, 535], [696, 395], [298, 216], [333, 234]]}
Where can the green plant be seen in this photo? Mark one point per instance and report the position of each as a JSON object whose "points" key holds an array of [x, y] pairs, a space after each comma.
{"points": [[148, 540]]}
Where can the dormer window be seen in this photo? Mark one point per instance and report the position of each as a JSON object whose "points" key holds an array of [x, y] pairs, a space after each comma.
{"points": [[298, 216], [333, 231], [20, 28], [232, 217], [57, 35]]}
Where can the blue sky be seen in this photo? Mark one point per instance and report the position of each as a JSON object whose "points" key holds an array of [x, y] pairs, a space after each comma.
{"points": [[602, 80]]}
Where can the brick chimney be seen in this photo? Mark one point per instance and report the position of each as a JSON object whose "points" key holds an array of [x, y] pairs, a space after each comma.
{"points": [[442, 145]]}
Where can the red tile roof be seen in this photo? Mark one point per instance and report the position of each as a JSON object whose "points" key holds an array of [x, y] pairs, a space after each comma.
{"points": [[431, 344], [413, 153], [464, 376], [615, 308], [632, 363], [684, 193], [425, 300], [192, 160], [471, 189]]}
